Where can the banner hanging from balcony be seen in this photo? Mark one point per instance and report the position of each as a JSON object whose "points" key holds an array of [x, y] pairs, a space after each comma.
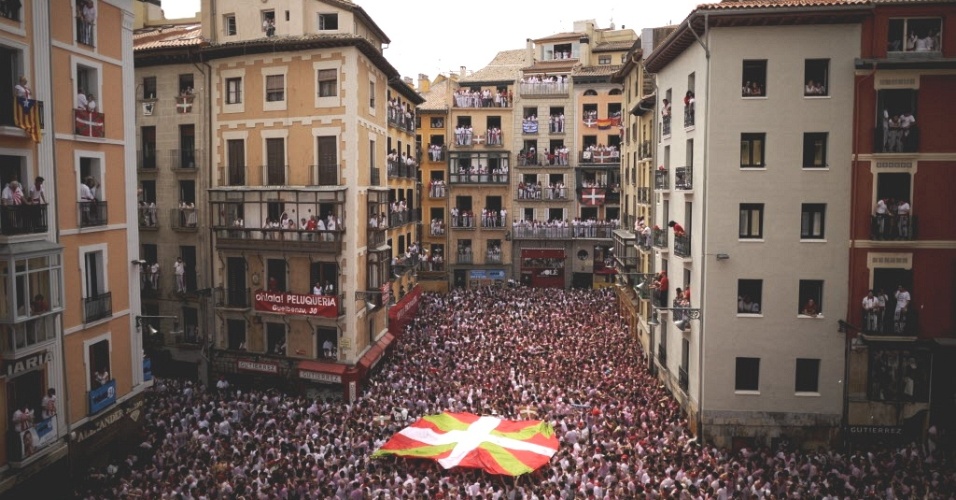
{"points": [[529, 127], [184, 105], [26, 115], [325, 306], [592, 196], [603, 123], [89, 123]]}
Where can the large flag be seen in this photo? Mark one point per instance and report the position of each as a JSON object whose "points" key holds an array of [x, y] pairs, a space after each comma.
{"points": [[89, 123], [26, 115], [592, 196], [498, 446]]}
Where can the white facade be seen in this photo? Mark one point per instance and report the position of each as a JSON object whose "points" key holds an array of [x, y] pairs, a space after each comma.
{"points": [[780, 246]]}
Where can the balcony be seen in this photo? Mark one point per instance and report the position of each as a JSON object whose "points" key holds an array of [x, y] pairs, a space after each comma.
{"points": [[91, 214], [684, 178], [534, 192], [85, 32], [527, 231], [662, 355], [888, 323], [489, 99], [275, 174], [645, 151], [491, 219], [682, 245], [605, 156], [146, 159], [184, 104], [288, 239], [436, 228], [23, 219], [327, 174], [11, 13], [89, 124], [184, 159], [666, 125], [465, 258], [689, 115], [436, 153], [101, 397], [662, 179], [465, 220], [682, 379], [660, 238], [376, 237], [896, 140], [233, 298], [437, 189], [493, 258], [184, 219], [149, 283], [478, 175], [530, 159], [402, 169], [893, 227], [97, 307], [644, 195], [375, 176], [543, 89], [493, 138], [645, 242], [399, 119], [147, 216], [396, 219]]}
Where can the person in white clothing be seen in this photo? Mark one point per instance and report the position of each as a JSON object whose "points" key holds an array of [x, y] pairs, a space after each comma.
{"points": [[902, 308], [871, 306], [180, 269]]}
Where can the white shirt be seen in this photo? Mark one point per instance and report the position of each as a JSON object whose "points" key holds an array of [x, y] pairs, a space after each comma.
{"points": [[81, 102], [870, 303], [902, 299], [37, 195], [179, 267]]}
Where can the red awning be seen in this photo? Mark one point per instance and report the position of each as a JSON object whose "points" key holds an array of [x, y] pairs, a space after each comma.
{"points": [[318, 366], [542, 253], [375, 353], [401, 313]]}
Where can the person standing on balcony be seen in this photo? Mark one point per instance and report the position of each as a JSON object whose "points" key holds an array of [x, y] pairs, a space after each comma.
{"points": [[881, 300], [22, 89], [907, 121], [81, 101], [871, 307], [678, 229], [179, 267], [154, 275], [903, 220], [902, 309]]}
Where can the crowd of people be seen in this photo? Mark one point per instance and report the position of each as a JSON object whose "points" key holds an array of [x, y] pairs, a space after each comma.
{"points": [[536, 190], [484, 98], [898, 132], [401, 114], [883, 313], [563, 228], [436, 152], [311, 228], [891, 220], [516, 353], [436, 188]]}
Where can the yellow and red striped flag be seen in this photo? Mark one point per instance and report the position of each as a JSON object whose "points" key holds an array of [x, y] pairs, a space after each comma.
{"points": [[26, 115]]}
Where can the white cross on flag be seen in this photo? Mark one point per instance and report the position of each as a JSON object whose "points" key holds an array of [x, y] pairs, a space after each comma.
{"points": [[495, 445], [592, 196]]}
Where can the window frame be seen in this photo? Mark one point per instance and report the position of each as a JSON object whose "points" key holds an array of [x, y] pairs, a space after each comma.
{"points": [[602, 60], [808, 68], [753, 63], [754, 289], [751, 209], [809, 150], [270, 88], [233, 90], [324, 83], [323, 18], [149, 82], [810, 289], [809, 382], [230, 25], [905, 27], [810, 209], [744, 368], [750, 138]]}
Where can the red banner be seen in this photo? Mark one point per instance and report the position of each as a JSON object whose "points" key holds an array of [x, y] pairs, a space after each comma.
{"points": [[592, 196], [326, 306], [89, 123]]}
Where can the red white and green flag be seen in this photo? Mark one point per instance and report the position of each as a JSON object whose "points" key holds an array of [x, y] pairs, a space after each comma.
{"points": [[498, 446]]}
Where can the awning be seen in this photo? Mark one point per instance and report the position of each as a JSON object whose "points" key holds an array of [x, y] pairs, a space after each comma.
{"points": [[401, 313], [372, 357], [542, 253], [317, 371]]}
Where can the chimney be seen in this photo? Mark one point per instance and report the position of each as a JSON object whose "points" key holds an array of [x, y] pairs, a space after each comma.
{"points": [[408, 81], [462, 73], [529, 47], [424, 84]]}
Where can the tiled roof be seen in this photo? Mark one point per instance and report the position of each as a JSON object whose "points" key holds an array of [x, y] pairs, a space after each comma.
{"points": [[168, 36], [436, 99], [504, 67], [608, 69], [557, 65], [559, 36], [613, 46], [768, 4]]}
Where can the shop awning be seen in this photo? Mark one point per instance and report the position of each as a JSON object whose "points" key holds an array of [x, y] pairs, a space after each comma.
{"points": [[401, 313], [317, 371], [373, 355]]}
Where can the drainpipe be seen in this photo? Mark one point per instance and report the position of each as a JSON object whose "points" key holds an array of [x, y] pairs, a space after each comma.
{"points": [[703, 275]]}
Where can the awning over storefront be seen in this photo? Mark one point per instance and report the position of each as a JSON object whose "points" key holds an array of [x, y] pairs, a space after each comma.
{"points": [[402, 313], [542, 253], [317, 371], [372, 357]]}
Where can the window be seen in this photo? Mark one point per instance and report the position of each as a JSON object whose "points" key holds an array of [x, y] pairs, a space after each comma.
{"points": [[604, 60], [914, 35], [328, 22], [275, 88], [275, 338], [752, 150], [99, 358], [371, 94], [88, 82], [97, 300], [748, 374], [807, 378], [816, 76], [812, 221], [229, 24], [896, 129], [438, 123], [186, 84], [85, 13], [754, 81], [327, 82], [811, 298], [815, 150], [268, 22], [233, 90], [751, 221], [149, 87], [237, 334], [749, 293]]}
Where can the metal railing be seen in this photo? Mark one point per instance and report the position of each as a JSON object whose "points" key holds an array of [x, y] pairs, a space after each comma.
{"points": [[23, 219], [684, 178], [465, 258], [601, 157], [662, 355], [682, 245], [666, 124], [184, 159], [275, 174], [896, 140], [579, 232], [85, 32], [645, 150], [689, 116], [184, 219], [375, 176], [662, 179], [236, 175], [92, 214], [644, 195], [543, 88], [493, 258], [893, 227], [660, 238], [327, 174], [97, 307], [233, 298], [682, 379], [148, 217], [146, 159], [541, 193], [477, 178]]}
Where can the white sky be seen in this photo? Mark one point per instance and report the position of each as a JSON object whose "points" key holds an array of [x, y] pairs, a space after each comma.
{"points": [[438, 36]]}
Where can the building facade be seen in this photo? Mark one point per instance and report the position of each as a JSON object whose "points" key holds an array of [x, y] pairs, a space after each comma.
{"points": [[749, 216], [900, 353], [73, 360], [432, 140]]}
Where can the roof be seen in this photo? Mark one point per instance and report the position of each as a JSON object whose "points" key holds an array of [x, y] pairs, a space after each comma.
{"points": [[553, 66], [360, 12], [168, 36], [405, 90], [613, 46], [567, 35], [606, 70], [436, 99], [503, 68], [731, 13]]}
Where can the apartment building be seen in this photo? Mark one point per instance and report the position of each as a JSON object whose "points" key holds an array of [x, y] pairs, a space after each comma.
{"points": [[73, 359], [433, 135], [749, 216], [901, 356]]}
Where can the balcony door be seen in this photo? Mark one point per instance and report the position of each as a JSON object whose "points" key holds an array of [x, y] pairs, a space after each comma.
{"points": [[187, 146], [275, 162], [236, 279], [328, 161]]}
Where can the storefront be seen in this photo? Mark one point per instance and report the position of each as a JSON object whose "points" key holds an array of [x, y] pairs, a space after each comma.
{"points": [[543, 267], [32, 422], [317, 378], [91, 442], [404, 311], [486, 277]]}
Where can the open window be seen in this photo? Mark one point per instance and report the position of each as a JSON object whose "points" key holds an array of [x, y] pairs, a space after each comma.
{"points": [[811, 298], [328, 22], [749, 295], [754, 80], [816, 77], [914, 35]]}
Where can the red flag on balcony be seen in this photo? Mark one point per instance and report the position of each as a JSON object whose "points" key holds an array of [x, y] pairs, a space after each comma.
{"points": [[184, 105], [26, 115], [89, 123], [592, 196]]}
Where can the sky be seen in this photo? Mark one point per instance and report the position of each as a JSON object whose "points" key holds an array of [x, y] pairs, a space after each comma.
{"points": [[440, 36]]}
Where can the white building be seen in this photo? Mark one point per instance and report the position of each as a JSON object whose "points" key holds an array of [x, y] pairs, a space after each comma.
{"points": [[759, 179]]}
